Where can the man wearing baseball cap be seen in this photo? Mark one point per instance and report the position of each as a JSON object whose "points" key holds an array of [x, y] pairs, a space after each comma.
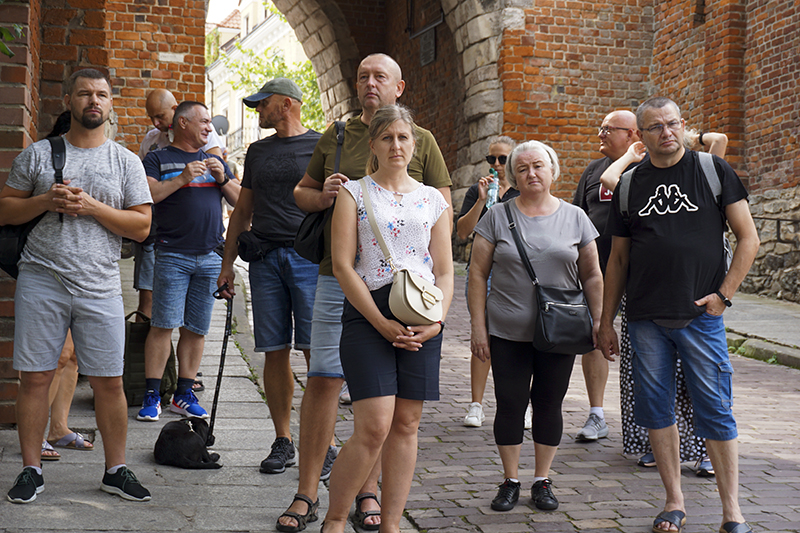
{"points": [[283, 283]]}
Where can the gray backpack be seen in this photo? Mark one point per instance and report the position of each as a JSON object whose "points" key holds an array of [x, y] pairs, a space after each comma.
{"points": [[712, 178]]}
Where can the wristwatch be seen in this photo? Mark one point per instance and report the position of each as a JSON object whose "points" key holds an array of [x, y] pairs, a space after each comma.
{"points": [[441, 324], [722, 297], [224, 182]]}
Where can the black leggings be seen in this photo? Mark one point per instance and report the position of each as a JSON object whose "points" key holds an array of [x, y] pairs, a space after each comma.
{"points": [[513, 364]]}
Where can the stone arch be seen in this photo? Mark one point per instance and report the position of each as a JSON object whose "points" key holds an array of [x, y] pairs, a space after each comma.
{"points": [[477, 27], [325, 35]]}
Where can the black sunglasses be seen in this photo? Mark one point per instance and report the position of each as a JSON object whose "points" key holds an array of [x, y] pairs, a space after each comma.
{"points": [[491, 159]]}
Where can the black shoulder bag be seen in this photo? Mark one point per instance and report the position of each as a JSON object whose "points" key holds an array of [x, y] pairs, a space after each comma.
{"points": [[14, 236], [563, 321], [310, 240]]}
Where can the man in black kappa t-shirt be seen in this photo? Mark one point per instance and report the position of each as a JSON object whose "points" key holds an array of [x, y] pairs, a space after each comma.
{"points": [[667, 253]]}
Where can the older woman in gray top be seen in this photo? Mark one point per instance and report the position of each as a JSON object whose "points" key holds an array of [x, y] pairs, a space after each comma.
{"points": [[559, 241]]}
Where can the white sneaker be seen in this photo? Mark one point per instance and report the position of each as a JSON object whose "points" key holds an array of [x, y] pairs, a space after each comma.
{"points": [[595, 428], [475, 416], [344, 395], [529, 417]]}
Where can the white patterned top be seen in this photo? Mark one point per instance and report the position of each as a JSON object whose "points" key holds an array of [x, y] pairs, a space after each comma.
{"points": [[405, 226]]}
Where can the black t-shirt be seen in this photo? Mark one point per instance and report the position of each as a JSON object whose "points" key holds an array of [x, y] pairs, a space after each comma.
{"points": [[676, 231], [595, 199], [272, 168], [472, 196]]}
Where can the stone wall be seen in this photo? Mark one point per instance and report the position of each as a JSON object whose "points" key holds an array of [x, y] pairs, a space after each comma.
{"points": [[776, 271]]}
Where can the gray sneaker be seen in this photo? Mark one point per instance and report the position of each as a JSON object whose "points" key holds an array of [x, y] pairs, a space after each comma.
{"points": [[594, 428], [327, 466]]}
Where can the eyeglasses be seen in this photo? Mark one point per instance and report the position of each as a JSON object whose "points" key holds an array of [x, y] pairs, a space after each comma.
{"points": [[605, 130], [658, 129], [491, 159]]}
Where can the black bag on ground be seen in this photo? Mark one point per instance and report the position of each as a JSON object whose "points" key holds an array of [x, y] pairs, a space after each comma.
{"points": [[133, 373], [310, 240], [563, 322], [14, 236]]}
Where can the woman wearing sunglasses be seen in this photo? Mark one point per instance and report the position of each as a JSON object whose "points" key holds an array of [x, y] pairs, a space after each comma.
{"points": [[472, 209]]}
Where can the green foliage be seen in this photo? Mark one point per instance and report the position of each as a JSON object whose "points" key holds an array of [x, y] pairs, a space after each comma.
{"points": [[212, 47], [253, 70], [8, 35]]}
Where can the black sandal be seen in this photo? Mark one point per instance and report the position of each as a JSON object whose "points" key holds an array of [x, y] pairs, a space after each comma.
{"points": [[302, 519], [359, 516]]}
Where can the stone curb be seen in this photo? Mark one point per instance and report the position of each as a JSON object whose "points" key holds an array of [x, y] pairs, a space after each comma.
{"points": [[763, 350]]}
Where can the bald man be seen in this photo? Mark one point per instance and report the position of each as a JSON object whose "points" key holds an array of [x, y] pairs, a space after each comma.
{"points": [[160, 107], [617, 132]]}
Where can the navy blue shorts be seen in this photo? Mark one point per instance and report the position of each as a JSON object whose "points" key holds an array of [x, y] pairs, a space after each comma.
{"points": [[374, 368]]}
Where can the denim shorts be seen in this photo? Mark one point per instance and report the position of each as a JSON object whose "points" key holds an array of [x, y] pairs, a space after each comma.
{"points": [[45, 310], [182, 290], [703, 351], [282, 284], [144, 258], [326, 329], [374, 368]]}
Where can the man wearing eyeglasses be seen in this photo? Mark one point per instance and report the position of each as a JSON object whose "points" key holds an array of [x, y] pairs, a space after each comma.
{"points": [[617, 133], [667, 253]]}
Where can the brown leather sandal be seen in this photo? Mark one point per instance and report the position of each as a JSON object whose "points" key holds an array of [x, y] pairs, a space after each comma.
{"points": [[359, 516], [302, 519]]}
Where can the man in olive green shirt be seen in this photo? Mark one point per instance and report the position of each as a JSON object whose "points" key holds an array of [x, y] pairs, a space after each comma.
{"points": [[379, 83]]}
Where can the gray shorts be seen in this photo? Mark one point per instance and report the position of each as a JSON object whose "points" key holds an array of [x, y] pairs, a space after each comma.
{"points": [[45, 310], [326, 329]]}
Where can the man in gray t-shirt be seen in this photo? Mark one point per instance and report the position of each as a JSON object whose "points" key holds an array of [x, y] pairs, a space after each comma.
{"points": [[69, 278]]}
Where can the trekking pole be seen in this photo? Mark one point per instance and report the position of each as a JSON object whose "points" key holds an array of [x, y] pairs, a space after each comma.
{"points": [[228, 315]]}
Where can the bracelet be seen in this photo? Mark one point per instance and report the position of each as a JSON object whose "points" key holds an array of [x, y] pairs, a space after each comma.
{"points": [[441, 324], [225, 181], [701, 139]]}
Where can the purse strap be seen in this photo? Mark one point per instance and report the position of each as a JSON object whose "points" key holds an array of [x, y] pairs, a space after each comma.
{"points": [[518, 240], [374, 225], [339, 126]]}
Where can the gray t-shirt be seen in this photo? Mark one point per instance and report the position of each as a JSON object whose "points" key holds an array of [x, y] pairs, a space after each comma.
{"points": [[552, 243], [80, 250]]}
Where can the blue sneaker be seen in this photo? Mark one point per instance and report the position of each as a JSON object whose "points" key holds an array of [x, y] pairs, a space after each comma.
{"points": [[186, 404], [648, 460], [703, 467], [151, 407]]}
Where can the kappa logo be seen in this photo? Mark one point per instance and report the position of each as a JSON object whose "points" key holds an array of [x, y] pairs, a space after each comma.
{"points": [[666, 201]]}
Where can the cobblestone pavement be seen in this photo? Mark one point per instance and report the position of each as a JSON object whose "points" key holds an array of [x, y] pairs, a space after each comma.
{"points": [[599, 489]]}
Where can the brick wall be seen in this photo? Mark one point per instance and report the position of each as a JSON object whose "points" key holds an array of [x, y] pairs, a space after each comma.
{"points": [[567, 68], [435, 91], [698, 53], [772, 102], [19, 93]]}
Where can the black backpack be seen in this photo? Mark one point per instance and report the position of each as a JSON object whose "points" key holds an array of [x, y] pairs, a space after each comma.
{"points": [[14, 236]]}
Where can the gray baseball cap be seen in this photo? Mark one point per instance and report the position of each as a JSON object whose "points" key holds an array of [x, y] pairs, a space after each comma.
{"points": [[281, 86]]}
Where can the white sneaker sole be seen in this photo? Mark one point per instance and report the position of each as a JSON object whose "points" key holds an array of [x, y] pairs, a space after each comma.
{"points": [[181, 411], [122, 494]]}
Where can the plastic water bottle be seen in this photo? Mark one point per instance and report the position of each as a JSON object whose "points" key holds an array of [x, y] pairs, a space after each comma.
{"points": [[494, 188]]}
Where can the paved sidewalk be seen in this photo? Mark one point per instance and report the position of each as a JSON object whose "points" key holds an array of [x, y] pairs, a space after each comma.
{"points": [[458, 468]]}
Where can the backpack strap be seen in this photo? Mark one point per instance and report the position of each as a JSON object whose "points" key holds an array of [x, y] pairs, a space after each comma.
{"points": [[624, 191], [339, 125], [710, 173], [59, 153]]}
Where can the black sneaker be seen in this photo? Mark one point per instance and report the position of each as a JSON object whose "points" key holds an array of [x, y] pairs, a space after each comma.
{"points": [[327, 466], [507, 496], [27, 486], [124, 484], [542, 495], [281, 456]]}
